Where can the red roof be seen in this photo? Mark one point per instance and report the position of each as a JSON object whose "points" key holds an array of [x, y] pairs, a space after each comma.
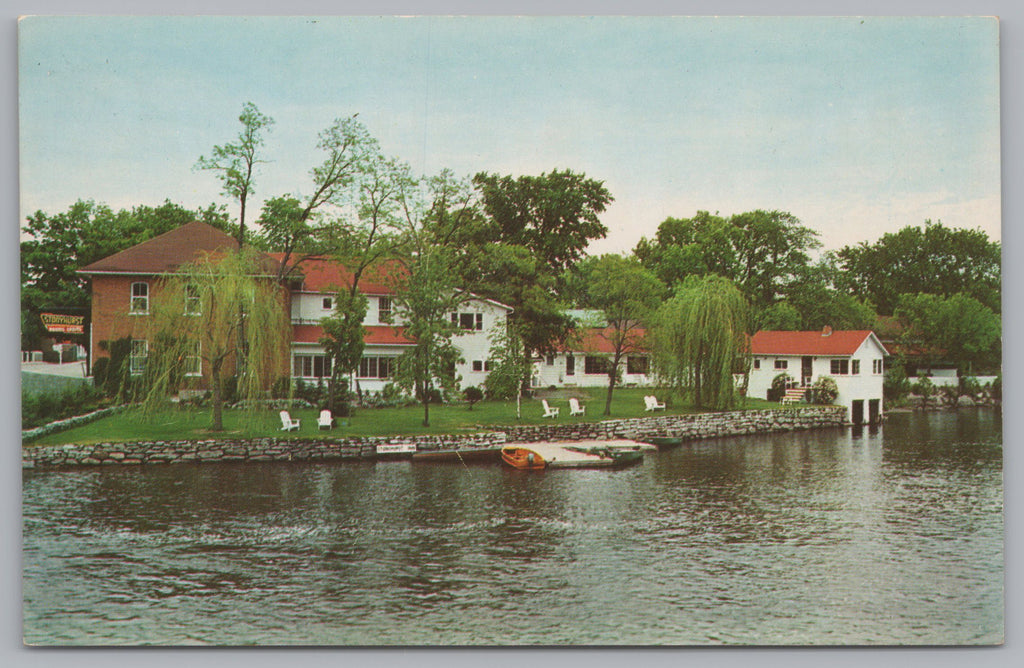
{"points": [[599, 340], [386, 335], [808, 343], [326, 275], [165, 253]]}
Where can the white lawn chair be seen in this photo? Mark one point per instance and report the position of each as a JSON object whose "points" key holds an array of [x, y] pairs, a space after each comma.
{"points": [[325, 421], [548, 410], [575, 408], [287, 423], [651, 404]]}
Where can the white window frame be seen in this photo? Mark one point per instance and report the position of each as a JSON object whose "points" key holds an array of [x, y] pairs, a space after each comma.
{"points": [[877, 367], [194, 357], [193, 302], [782, 365], [385, 309], [132, 309], [137, 359], [854, 367], [375, 360], [327, 303], [309, 363]]}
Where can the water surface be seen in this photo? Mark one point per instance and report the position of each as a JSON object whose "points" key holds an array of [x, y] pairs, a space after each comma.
{"points": [[885, 536]]}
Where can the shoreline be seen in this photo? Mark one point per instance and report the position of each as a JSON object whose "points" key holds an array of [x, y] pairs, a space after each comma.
{"points": [[369, 448]]}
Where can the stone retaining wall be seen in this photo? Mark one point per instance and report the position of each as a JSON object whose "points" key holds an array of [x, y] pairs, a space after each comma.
{"points": [[705, 425]]}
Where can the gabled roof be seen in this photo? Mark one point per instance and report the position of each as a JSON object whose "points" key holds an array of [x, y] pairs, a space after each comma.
{"points": [[825, 342], [383, 335], [165, 253]]}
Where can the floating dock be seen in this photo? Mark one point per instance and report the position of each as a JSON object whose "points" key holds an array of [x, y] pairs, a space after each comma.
{"points": [[583, 454]]}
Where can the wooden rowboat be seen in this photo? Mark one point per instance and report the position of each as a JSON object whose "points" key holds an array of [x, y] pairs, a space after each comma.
{"points": [[522, 458], [664, 442]]}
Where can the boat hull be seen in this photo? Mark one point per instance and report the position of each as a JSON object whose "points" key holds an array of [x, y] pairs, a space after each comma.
{"points": [[522, 458]]}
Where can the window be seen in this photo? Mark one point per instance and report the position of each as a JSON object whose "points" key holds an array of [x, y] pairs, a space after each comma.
{"points": [[139, 354], [855, 367], [478, 365], [194, 359], [596, 365], [376, 367], [840, 367], [327, 303], [140, 298], [311, 366], [551, 360], [487, 365], [384, 309], [876, 366], [757, 364], [468, 321], [193, 305], [781, 364], [570, 365], [637, 364]]}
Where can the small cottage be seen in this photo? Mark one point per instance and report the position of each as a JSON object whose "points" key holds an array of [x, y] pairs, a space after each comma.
{"points": [[854, 359]]}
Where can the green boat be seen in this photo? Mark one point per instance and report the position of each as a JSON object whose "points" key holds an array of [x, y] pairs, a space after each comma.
{"points": [[664, 441]]}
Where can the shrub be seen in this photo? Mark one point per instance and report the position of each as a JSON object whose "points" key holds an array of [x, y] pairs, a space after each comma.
{"points": [[281, 387], [995, 390], [895, 386], [779, 385], [100, 368], [473, 395], [824, 391], [51, 356], [970, 386], [949, 393], [924, 387]]}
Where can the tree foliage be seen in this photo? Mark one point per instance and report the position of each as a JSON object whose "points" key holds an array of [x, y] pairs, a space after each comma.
{"points": [[932, 259], [197, 315], [760, 251], [236, 161], [700, 340], [343, 339], [958, 328]]}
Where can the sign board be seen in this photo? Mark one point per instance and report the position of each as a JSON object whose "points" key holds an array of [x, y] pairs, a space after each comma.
{"points": [[396, 449], [65, 324]]}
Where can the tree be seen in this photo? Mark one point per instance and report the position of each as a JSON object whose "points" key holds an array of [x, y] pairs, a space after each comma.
{"points": [[343, 338], [195, 327], [780, 316], [959, 328], [426, 299], [509, 366], [762, 252], [701, 340], [627, 294], [237, 161], [515, 244], [933, 259]]}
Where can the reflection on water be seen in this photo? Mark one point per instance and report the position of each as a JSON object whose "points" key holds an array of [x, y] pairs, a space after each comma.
{"points": [[876, 535]]}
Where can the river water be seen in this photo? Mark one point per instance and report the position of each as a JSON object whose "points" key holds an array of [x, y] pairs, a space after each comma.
{"points": [[885, 536]]}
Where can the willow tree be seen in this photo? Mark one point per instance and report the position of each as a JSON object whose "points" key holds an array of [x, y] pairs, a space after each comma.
{"points": [[700, 340], [196, 330]]}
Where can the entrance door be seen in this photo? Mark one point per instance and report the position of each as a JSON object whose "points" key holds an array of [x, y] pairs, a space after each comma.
{"points": [[874, 406], [857, 411], [806, 371]]}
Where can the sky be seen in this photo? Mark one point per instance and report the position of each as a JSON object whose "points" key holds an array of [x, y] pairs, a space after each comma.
{"points": [[856, 126]]}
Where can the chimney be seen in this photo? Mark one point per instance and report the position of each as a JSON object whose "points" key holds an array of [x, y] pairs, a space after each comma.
{"points": [[827, 331]]}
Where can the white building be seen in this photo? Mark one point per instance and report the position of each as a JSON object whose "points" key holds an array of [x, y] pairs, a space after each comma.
{"points": [[312, 298], [584, 363], [854, 359]]}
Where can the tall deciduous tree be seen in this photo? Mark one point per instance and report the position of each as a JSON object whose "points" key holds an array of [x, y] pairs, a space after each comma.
{"points": [[700, 340], [762, 252], [426, 299], [627, 294], [236, 161], [958, 328], [932, 259], [343, 338], [197, 318]]}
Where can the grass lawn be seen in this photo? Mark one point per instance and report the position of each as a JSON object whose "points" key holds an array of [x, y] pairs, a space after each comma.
{"points": [[194, 423]]}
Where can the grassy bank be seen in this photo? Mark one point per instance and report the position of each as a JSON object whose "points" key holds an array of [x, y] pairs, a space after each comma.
{"points": [[191, 424]]}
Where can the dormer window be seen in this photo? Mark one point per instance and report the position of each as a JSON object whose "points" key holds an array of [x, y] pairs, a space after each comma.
{"points": [[140, 298]]}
